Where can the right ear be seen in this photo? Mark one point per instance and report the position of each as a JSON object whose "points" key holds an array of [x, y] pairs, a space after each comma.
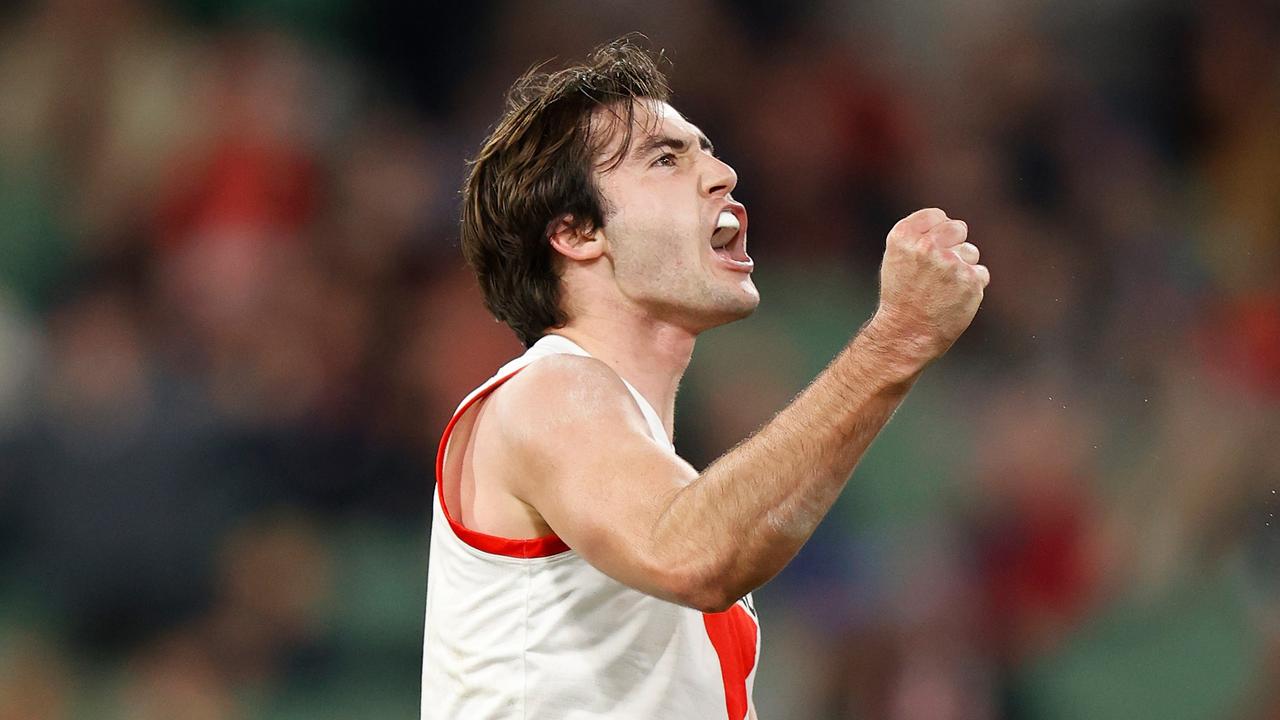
{"points": [[574, 240]]}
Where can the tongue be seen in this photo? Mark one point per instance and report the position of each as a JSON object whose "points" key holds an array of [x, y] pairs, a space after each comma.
{"points": [[722, 237]]}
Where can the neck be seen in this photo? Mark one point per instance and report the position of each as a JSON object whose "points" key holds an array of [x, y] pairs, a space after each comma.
{"points": [[649, 354]]}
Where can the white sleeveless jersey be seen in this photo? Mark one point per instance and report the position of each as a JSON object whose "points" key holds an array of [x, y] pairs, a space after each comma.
{"points": [[528, 629]]}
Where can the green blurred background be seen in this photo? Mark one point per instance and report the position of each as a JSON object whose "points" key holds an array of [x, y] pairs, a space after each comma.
{"points": [[234, 319]]}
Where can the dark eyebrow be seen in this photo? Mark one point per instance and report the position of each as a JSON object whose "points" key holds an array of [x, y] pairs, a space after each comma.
{"points": [[653, 142]]}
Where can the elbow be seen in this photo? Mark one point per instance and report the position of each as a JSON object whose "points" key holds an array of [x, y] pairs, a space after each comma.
{"points": [[708, 600], [705, 591], [715, 603]]}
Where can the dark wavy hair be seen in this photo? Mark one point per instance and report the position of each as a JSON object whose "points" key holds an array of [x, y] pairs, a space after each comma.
{"points": [[535, 167]]}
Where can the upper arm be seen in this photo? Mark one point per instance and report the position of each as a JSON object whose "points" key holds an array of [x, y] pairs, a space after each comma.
{"points": [[588, 465]]}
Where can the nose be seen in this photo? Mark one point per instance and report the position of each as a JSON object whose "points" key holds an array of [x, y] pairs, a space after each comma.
{"points": [[718, 178]]}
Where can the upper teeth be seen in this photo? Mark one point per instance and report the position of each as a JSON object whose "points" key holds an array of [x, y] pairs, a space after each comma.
{"points": [[726, 228]]}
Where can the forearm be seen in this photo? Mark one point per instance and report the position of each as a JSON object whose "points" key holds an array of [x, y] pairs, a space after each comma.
{"points": [[744, 518]]}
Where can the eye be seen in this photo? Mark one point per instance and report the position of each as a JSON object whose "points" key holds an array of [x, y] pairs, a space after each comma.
{"points": [[665, 160]]}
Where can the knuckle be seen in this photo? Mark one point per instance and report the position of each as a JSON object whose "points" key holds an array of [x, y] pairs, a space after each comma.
{"points": [[933, 216]]}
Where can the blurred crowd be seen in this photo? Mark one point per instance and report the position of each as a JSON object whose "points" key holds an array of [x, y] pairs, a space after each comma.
{"points": [[234, 319]]}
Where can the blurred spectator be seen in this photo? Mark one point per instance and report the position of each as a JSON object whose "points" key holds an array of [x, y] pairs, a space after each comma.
{"points": [[36, 681]]}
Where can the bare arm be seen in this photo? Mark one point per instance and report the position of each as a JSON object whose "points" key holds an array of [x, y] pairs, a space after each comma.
{"points": [[648, 519]]}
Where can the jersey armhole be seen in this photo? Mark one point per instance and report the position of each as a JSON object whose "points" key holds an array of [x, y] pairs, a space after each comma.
{"points": [[539, 547]]}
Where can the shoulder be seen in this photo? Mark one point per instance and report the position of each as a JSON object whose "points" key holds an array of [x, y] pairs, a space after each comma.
{"points": [[563, 394]]}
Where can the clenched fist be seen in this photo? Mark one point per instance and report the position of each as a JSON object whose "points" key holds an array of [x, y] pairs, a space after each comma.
{"points": [[930, 284]]}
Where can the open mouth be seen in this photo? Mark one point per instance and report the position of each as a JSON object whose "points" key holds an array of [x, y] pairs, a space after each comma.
{"points": [[729, 241]]}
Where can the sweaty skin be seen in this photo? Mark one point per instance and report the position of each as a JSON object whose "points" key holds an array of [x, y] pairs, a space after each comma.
{"points": [[563, 448]]}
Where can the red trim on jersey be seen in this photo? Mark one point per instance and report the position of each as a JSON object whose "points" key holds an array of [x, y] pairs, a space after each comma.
{"points": [[545, 546], [733, 635]]}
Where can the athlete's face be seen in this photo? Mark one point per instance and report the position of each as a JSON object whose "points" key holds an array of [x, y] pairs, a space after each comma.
{"points": [[662, 207]]}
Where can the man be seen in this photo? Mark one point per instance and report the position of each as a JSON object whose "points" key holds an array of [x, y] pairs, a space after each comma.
{"points": [[579, 568]]}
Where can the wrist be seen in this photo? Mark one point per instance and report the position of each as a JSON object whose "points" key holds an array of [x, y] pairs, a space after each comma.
{"points": [[901, 348]]}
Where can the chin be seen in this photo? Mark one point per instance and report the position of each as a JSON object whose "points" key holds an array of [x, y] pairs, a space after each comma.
{"points": [[729, 308], [748, 302], [748, 296], [710, 306]]}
